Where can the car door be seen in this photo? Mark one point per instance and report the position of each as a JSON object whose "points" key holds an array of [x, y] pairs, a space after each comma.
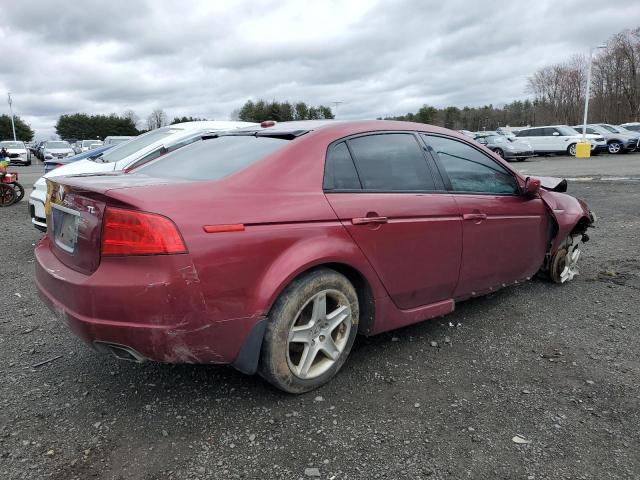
{"points": [[505, 234], [532, 135], [382, 188], [556, 141]]}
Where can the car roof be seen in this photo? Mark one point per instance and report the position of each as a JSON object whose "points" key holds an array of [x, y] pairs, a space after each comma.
{"points": [[342, 127]]}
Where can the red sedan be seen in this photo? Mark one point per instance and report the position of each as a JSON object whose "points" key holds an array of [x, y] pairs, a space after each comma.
{"points": [[270, 248]]}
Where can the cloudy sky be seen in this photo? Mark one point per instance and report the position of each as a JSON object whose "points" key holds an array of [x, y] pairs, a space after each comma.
{"points": [[206, 58]]}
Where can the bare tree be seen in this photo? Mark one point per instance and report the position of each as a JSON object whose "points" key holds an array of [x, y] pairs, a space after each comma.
{"points": [[156, 119], [131, 115]]}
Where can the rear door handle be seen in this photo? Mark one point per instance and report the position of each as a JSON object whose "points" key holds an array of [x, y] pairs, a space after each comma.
{"points": [[368, 220], [474, 216]]}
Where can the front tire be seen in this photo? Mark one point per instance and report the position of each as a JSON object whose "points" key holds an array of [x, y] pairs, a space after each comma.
{"points": [[499, 152], [310, 332], [614, 148]]}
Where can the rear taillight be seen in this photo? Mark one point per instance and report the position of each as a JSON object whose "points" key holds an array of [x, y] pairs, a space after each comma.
{"points": [[127, 232]]}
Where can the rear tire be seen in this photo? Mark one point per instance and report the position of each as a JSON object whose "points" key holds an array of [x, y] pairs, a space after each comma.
{"points": [[499, 152], [572, 150], [306, 344], [19, 192]]}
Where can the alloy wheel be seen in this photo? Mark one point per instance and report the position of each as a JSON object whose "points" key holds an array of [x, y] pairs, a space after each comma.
{"points": [[319, 334], [615, 147]]}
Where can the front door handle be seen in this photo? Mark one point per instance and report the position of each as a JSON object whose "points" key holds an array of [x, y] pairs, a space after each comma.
{"points": [[474, 216], [368, 220]]}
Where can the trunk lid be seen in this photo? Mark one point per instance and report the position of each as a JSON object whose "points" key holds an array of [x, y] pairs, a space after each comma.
{"points": [[75, 207], [74, 221]]}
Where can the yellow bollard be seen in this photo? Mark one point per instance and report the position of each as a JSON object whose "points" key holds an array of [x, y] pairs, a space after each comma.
{"points": [[583, 150]]}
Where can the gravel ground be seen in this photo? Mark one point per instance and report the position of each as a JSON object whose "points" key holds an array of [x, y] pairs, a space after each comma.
{"points": [[556, 365]]}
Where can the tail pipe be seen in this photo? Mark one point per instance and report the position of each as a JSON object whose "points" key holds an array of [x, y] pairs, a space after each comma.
{"points": [[121, 352]]}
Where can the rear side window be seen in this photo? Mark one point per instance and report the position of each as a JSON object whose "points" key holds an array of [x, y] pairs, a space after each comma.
{"points": [[340, 172], [213, 159], [391, 162], [469, 170]]}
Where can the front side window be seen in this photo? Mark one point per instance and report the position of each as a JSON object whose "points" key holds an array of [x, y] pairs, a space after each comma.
{"points": [[391, 162], [469, 170], [340, 172]]}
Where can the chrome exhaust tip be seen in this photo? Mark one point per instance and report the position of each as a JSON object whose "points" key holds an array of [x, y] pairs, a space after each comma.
{"points": [[121, 352]]}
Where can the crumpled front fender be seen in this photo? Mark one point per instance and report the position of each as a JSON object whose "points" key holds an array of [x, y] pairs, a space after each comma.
{"points": [[568, 212]]}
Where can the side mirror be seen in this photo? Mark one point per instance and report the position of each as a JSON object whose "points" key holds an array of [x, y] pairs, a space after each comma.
{"points": [[531, 187], [482, 141]]}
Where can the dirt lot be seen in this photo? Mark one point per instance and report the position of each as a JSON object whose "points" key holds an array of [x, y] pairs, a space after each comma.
{"points": [[557, 365]]}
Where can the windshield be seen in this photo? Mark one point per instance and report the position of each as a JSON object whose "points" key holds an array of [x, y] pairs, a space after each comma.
{"points": [[11, 145], [215, 158], [58, 145], [125, 149], [567, 131], [610, 129]]}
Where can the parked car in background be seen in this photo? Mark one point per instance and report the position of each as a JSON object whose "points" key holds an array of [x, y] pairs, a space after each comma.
{"points": [[559, 139], [17, 151], [271, 248], [135, 152], [618, 139], [632, 126], [56, 149], [509, 148], [85, 145], [114, 140], [91, 154]]}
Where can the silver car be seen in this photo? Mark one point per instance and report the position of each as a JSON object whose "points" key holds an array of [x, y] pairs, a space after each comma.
{"points": [[509, 148], [618, 139]]}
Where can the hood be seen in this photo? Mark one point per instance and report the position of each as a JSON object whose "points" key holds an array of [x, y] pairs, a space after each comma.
{"points": [[16, 150], [80, 167], [554, 184]]}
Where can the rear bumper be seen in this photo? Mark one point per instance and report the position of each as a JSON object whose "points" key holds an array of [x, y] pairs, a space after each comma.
{"points": [[150, 305]]}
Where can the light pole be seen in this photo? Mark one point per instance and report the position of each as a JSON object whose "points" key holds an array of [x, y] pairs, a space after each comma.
{"points": [[586, 97], [13, 126], [335, 108]]}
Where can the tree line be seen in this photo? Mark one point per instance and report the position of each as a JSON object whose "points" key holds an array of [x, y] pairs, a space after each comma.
{"points": [[23, 130], [280, 111]]}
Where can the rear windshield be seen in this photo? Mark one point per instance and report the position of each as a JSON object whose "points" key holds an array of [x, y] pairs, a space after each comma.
{"points": [[143, 141], [215, 158]]}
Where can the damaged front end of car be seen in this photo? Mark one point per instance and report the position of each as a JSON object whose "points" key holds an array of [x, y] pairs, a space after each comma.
{"points": [[571, 220]]}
